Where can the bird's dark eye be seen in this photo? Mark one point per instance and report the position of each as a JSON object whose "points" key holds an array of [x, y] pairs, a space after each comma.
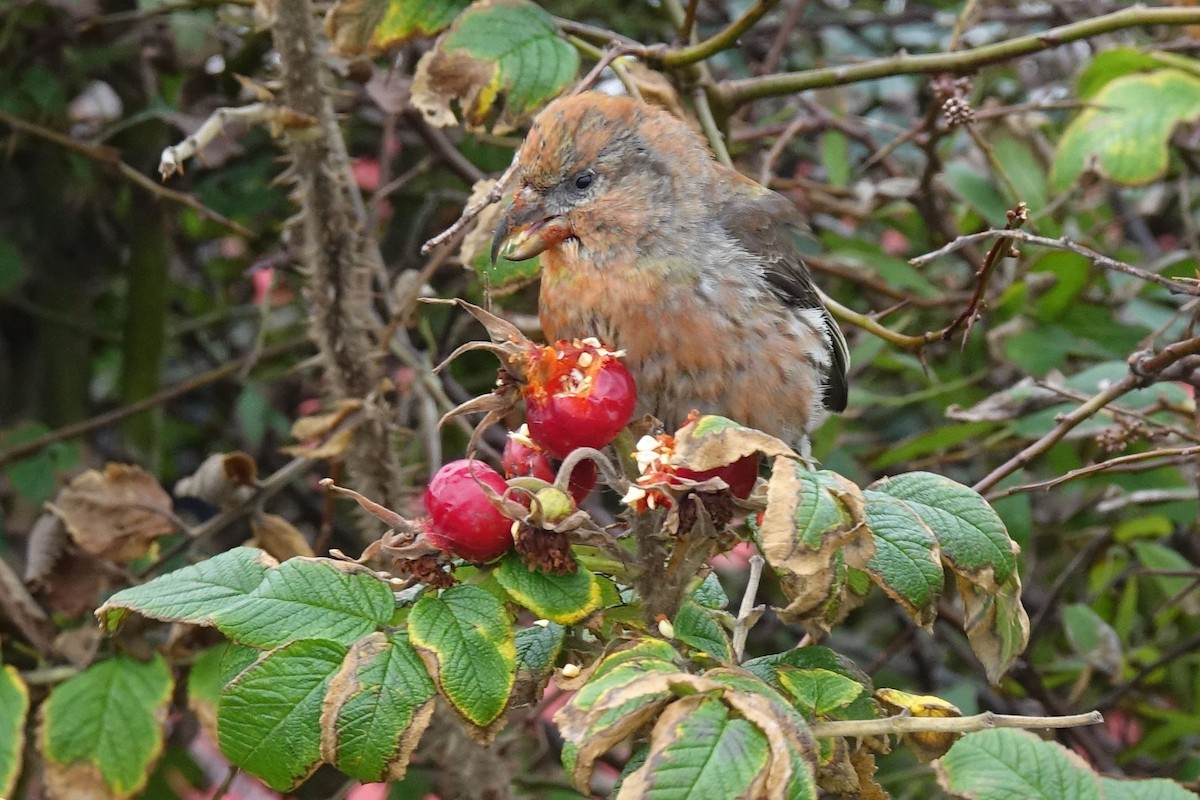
{"points": [[583, 180]]}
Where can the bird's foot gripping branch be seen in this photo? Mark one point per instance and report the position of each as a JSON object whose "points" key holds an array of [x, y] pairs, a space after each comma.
{"points": [[507, 583]]}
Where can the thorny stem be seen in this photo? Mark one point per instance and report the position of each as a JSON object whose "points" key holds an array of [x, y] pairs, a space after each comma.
{"points": [[906, 723], [1001, 248], [735, 93], [748, 612]]}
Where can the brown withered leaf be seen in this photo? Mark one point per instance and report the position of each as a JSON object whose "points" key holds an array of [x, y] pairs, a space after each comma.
{"points": [[864, 764], [996, 623], [319, 436], [80, 780], [47, 538], [280, 538], [117, 514], [74, 586], [79, 645], [709, 441], [223, 479]]}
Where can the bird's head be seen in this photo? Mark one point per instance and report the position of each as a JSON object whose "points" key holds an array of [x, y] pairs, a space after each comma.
{"points": [[600, 172]]}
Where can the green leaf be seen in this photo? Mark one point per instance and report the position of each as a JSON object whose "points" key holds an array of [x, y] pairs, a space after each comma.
{"points": [[466, 640], [700, 750], [907, 562], [1093, 638], [377, 706], [1024, 169], [108, 719], [1007, 763], [813, 657], [1153, 789], [193, 594], [818, 692], [564, 599], [1110, 64], [270, 714], [309, 598], [538, 647], [14, 707], [35, 478], [1127, 128], [204, 686], [977, 190], [972, 536], [698, 628], [373, 26], [710, 593], [495, 49], [256, 602]]}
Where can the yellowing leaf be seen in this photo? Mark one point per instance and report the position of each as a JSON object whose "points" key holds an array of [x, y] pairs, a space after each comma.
{"points": [[501, 59], [372, 26], [1124, 133]]}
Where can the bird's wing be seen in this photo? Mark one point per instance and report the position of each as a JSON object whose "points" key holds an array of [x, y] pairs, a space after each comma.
{"points": [[765, 224]]}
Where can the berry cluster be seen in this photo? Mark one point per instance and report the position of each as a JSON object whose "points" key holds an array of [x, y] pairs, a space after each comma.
{"points": [[577, 394]]}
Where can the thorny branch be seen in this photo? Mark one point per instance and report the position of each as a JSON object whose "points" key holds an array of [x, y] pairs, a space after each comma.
{"points": [[905, 723]]}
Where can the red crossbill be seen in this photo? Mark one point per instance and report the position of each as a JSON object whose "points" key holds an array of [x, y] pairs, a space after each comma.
{"points": [[688, 266]]}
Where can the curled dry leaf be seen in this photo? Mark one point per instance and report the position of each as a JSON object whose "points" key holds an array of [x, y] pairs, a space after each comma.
{"points": [[280, 538], [223, 479], [115, 514], [927, 745], [319, 434]]}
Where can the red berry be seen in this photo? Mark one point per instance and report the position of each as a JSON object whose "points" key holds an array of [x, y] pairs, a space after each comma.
{"points": [[521, 460], [463, 522], [740, 475], [578, 395]]}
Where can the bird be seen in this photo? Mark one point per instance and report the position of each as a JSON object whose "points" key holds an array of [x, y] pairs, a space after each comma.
{"points": [[690, 268]]}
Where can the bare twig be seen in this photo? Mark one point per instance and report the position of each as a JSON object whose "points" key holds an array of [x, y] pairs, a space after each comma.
{"points": [[748, 612], [112, 157], [709, 124], [1091, 469], [1001, 248], [906, 723], [735, 93], [173, 157], [1173, 285], [83, 427]]}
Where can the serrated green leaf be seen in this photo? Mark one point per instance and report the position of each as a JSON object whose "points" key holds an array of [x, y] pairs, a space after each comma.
{"points": [[465, 637], [907, 562], [194, 594], [254, 601], [495, 49], [14, 708], [767, 669], [269, 715], [698, 627], [373, 26], [818, 692], [700, 751], [376, 708], [1153, 789], [309, 598], [972, 536], [1126, 130], [538, 647], [1007, 763], [110, 718], [564, 599], [711, 594]]}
